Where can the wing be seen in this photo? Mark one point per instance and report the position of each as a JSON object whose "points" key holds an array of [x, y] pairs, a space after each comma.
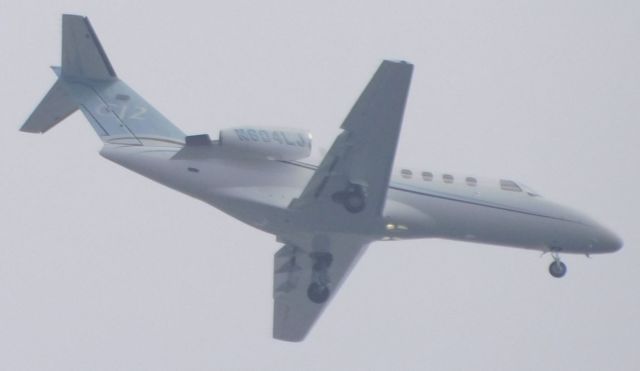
{"points": [[342, 202], [307, 273], [361, 157]]}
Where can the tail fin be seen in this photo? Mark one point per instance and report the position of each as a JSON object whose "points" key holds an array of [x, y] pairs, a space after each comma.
{"points": [[88, 82], [82, 53]]}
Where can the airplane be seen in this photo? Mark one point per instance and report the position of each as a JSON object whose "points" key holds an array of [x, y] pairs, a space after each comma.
{"points": [[325, 214]]}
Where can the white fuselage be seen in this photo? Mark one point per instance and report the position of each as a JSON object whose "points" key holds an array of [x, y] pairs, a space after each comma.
{"points": [[258, 192]]}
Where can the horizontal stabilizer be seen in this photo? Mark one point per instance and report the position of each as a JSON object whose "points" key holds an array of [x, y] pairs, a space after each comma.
{"points": [[54, 107]]}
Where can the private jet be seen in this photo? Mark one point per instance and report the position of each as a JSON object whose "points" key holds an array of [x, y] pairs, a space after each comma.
{"points": [[324, 213]]}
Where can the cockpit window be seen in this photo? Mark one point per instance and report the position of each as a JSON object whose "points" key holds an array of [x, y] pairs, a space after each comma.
{"points": [[471, 181], [509, 185], [427, 176], [447, 178], [406, 173]]}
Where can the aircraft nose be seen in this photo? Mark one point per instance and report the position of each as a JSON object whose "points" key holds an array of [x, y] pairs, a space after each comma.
{"points": [[608, 241]]}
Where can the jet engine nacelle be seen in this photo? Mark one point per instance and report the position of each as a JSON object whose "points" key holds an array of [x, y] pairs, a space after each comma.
{"points": [[267, 143]]}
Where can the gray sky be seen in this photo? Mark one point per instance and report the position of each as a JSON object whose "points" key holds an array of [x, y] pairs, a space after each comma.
{"points": [[101, 269]]}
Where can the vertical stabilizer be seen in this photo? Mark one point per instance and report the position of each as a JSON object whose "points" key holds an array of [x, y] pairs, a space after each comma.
{"points": [[82, 53]]}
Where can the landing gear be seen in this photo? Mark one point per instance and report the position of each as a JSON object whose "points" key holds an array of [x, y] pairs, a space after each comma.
{"points": [[321, 261], [352, 198], [354, 203], [557, 268], [318, 291]]}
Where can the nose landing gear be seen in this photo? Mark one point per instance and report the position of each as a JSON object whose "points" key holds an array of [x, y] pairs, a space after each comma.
{"points": [[557, 268]]}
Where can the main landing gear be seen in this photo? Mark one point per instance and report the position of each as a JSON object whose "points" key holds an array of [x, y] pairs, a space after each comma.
{"points": [[557, 268], [318, 291], [352, 198]]}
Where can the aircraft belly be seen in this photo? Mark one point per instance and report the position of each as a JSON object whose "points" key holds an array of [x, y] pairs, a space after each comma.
{"points": [[264, 208], [255, 192], [474, 222], [155, 165]]}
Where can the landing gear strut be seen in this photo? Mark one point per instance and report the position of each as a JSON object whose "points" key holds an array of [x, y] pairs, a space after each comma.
{"points": [[557, 268]]}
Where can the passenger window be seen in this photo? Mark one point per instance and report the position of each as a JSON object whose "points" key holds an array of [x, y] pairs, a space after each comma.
{"points": [[406, 173], [427, 176], [509, 185], [447, 178], [471, 181]]}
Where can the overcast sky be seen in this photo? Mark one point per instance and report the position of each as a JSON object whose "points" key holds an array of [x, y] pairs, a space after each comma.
{"points": [[101, 269]]}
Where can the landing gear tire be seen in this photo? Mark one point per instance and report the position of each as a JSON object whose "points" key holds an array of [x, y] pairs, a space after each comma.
{"points": [[318, 293], [321, 261], [354, 202], [557, 269]]}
